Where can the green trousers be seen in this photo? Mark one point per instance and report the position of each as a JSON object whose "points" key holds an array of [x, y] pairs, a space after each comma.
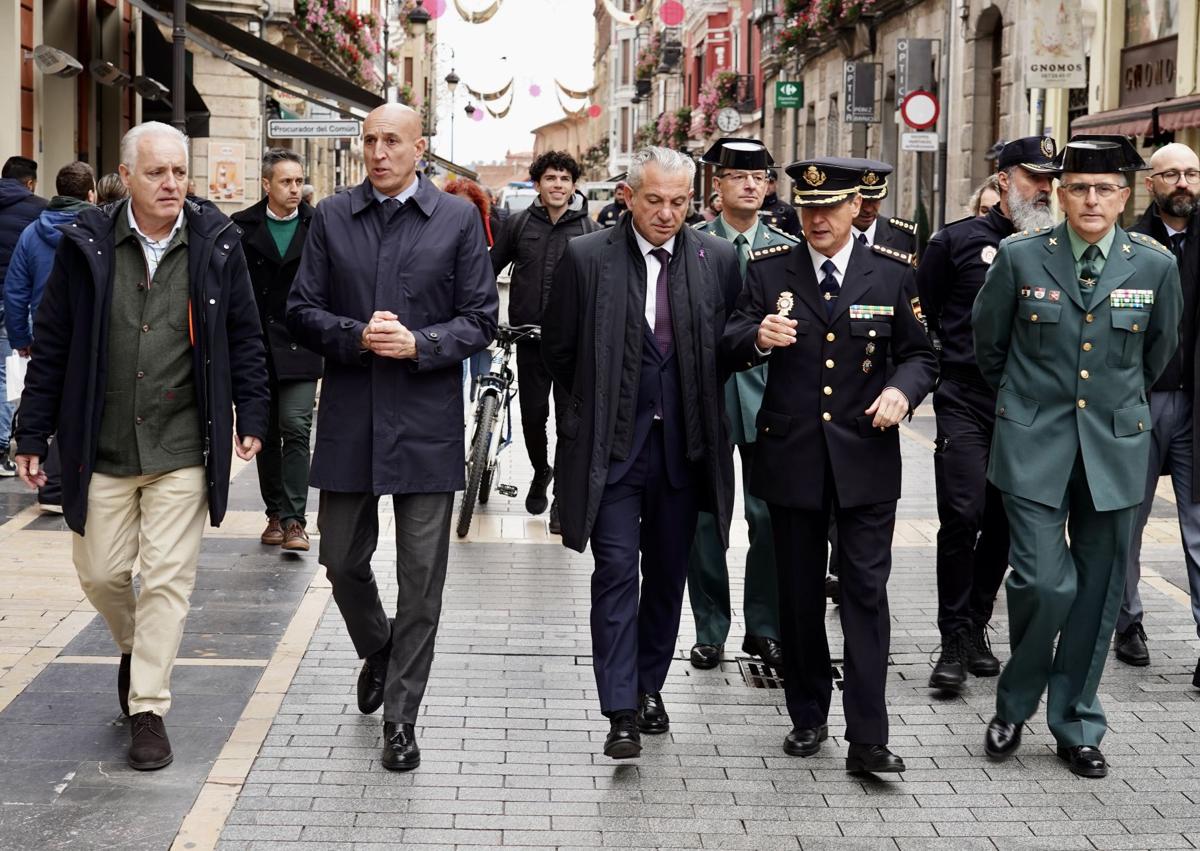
{"points": [[1069, 592], [708, 571], [283, 461]]}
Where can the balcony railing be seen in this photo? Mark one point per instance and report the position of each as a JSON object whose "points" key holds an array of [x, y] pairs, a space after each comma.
{"points": [[764, 9]]}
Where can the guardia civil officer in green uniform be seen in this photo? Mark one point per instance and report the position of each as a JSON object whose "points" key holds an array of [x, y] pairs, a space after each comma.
{"points": [[741, 179], [1072, 326]]}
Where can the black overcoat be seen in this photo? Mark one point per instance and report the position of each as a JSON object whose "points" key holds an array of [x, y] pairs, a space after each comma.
{"points": [[272, 277], [599, 288], [386, 425], [68, 373]]}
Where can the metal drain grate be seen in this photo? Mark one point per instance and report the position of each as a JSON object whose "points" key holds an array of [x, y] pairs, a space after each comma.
{"points": [[758, 674]]}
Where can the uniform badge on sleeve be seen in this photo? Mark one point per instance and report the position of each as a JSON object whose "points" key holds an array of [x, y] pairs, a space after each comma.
{"points": [[915, 303], [988, 254]]}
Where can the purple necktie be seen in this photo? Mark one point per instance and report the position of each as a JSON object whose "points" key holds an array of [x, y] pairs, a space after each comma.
{"points": [[664, 332]]}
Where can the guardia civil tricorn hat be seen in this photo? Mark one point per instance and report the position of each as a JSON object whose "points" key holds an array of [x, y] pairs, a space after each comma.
{"points": [[1095, 154], [824, 182], [741, 154]]}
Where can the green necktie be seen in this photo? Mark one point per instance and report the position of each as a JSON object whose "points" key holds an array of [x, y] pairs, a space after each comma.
{"points": [[742, 247], [1089, 269]]}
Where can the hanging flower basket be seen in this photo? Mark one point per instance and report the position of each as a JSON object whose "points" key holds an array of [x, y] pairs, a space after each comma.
{"points": [[349, 38]]}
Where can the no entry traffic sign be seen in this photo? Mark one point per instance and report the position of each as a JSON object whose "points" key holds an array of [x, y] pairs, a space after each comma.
{"points": [[920, 109]]}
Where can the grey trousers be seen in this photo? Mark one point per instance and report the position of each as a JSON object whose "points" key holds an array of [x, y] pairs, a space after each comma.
{"points": [[1170, 449], [349, 526]]}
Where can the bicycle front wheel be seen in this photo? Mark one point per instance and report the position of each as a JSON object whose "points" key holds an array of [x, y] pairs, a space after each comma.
{"points": [[477, 461]]}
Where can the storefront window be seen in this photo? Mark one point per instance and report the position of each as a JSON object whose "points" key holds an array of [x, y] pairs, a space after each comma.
{"points": [[1150, 20]]}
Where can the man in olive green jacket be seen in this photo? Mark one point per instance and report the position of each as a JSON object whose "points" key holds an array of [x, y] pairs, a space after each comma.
{"points": [[1072, 327]]}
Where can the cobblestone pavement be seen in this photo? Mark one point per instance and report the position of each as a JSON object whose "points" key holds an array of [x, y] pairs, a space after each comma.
{"points": [[273, 753]]}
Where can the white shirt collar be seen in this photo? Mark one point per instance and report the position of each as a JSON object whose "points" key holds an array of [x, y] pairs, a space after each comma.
{"points": [[403, 195], [870, 231], [645, 247], [840, 260], [287, 218], [1170, 230], [133, 225]]}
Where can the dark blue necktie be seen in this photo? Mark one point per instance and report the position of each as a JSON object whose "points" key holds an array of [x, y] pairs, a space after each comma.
{"points": [[829, 287]]}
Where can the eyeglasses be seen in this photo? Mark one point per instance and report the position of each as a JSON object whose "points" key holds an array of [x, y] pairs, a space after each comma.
{"points": [[1081, 190], [755, 178], [1192, 175]]}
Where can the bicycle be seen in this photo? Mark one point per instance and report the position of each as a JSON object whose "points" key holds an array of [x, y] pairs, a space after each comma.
{"points": [[493, 423]]}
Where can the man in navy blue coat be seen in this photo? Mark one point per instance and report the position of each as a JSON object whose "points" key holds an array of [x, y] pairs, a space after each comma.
{"points": [[395, 289]]}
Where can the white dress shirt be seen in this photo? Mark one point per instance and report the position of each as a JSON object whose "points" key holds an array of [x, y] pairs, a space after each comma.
{"points": [[652, 267], [870, 232], [403, 196], [153, 250], [840, 261], [287, 218]]}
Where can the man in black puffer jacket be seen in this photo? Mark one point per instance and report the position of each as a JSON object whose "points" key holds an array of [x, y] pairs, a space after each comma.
{"points": [[534, 240]]}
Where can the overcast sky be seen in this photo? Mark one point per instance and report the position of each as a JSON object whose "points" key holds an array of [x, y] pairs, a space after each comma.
{"points": [[533, 41]]}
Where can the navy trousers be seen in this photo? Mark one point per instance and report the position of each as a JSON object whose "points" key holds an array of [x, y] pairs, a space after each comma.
{"points": [[633, 636]]}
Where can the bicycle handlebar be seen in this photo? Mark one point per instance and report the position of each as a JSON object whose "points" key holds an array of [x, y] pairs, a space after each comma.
{"points": [[517, 333]]}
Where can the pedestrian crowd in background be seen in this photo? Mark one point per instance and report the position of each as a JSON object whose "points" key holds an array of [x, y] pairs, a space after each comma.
{"points": [[163, 337]]}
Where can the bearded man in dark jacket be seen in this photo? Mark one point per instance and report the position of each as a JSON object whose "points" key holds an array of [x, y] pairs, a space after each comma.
{"points": [[534, 240], [632, 334], [147, 337]]}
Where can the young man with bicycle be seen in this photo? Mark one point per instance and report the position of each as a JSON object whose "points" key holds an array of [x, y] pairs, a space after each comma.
{"points": [[533, 240]]}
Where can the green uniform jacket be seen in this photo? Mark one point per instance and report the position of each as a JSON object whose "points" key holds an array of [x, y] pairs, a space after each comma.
{"points": [[744, 390], [1073, 368]]}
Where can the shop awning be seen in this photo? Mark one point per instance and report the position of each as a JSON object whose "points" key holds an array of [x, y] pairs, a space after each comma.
{"points": [[455, 168], [274, 66], [1144, 120]]}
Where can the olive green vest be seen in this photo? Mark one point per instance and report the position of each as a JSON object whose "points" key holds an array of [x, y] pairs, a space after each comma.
{"points": [[151, 422]]}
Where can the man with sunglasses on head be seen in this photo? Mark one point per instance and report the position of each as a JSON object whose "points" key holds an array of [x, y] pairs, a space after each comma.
{"points": [[1173, 219], [1072, 327]]}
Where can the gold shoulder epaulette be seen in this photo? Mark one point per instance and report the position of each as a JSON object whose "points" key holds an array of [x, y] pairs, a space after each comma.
{"points": [[770, 251], [701, 226], [1021, 235], [903, 224], [892, 253], [1149, 240]]}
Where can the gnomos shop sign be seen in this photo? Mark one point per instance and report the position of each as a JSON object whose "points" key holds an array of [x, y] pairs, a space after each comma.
{"points": [[1055, 59]]}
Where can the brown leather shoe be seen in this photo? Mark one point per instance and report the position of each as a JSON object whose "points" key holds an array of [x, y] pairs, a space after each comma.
{"points": [[295, 538], [272, 536], [149, 747]]}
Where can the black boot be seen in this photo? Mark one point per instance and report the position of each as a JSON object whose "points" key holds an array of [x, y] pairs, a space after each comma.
{"points": [[981, 662], [950, 672], [536, 501], [555, 526]]}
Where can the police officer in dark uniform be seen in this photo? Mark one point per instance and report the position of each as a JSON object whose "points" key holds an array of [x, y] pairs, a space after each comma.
{"points": [[611, 212], [776, 213], [869, 229], [827, 318], [972, 541]]}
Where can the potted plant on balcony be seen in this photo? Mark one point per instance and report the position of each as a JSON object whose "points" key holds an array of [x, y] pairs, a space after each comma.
{"points": [[648, 60], [718, 92], [346, 37]]}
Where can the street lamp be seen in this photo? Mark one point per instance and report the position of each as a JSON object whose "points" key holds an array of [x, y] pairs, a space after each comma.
{"points": [[418, 19], [418, 22]]}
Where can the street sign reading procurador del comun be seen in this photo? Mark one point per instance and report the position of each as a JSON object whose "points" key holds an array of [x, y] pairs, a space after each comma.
{"points": [[281, 128]]}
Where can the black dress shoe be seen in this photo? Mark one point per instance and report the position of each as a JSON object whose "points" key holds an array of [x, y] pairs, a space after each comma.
{"points": [[149, 747], [706, 656], [767, 649], [950, 672], [652, 715], [805, 741], [833, 590], [371, 680], [872, 759], [624, 741], [1084, 760], [400, 751], [123, 682], [535, 500], [1001, 739], [555, 525], [981, 661], [1131, 646]]}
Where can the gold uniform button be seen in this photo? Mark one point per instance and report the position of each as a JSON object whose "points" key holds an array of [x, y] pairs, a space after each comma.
{"points": [[1084, 374], [1089, 318], [1136, 327], [827, 416], [1082, 403], [1141, 426], [829, 364], [871, 333], [1033, 317], [830, 337], [1087, 347], [828, 391]]}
